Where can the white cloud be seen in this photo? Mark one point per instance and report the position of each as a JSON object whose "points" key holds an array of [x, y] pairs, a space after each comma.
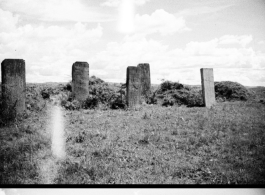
{"points": [[161, 22], [233, 39], [198, 10], [141, 2], [229, 63], [111, 3], [126, 17], [114, 60], [50, 10], [201, 48], [49, 51], [211, 53], [8, 21], [116, 3]]}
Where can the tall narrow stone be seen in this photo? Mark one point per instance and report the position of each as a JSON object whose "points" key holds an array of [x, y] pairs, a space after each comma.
{"points": [[208, 92], [144, 73], [80, 80], [13, 86], [132, 86]]}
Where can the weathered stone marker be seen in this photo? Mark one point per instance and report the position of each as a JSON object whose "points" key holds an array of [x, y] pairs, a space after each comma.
{"points": [[80, 80], [132, 86], [208, 92], [13, 86], [144, 73]]}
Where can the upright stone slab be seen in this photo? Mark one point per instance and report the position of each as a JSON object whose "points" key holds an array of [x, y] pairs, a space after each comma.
{"points": [[80, 80], [144, 73], [132, 86], [13, 86], [208, 92]]}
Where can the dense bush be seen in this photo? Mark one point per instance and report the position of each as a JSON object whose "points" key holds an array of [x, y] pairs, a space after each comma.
{"points": [[47, 92], [100, 93], [71, 105], [230, 91], [95, 80], [91, 102], [34, 98], [68, 86], [168, 85], [174, 93], [151, 98]]}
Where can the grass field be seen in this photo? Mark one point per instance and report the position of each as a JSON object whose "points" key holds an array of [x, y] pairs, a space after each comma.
{"points": [[148, 145]]}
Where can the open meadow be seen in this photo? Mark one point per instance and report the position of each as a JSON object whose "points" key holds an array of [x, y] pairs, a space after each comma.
{"points": [[152, 144]]}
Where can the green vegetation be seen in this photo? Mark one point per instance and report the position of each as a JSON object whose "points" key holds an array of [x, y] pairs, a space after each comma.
{"points": [[151, 144], [101, 94], [230, 91], [174, 93]]}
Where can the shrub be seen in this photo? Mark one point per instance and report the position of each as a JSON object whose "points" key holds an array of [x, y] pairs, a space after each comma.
{"points": [[47, 92], [91, 102], [168, 101], [95, 80], [34, 98], [100, 93], [117, 102], [68, 86], [168, 85], [71, 105], [176, 93], [151, 98], [194, 98], [231, 91]]}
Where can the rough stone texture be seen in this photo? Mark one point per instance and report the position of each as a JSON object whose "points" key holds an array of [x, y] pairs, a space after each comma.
{"points": [[132, 86], [80, 80], [13, 85], [144, 74], [208, 92]]}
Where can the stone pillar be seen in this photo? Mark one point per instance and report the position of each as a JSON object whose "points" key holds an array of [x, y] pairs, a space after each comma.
{"points": [[132, 86], [208, 92], [80, 80], [144, 73], [13, 86]]}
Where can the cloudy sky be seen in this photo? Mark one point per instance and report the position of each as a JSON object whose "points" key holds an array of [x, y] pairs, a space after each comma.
{"points": [[176, 37], [135, 191]]}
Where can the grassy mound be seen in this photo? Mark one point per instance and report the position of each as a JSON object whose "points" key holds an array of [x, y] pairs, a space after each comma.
{"points": [[230, 91]]}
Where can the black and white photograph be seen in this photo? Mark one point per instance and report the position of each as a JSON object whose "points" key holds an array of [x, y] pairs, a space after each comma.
{"points": [[128, 92], [128, 191]]}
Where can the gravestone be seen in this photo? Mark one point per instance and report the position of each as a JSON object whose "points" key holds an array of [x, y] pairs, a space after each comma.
{"points": [[80, 80], [208, 92], [144, 73], [132, 86], [13, 86]]}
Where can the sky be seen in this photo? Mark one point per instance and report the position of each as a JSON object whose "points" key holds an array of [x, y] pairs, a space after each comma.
{"points": [[134, 191], [176, 37]]}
